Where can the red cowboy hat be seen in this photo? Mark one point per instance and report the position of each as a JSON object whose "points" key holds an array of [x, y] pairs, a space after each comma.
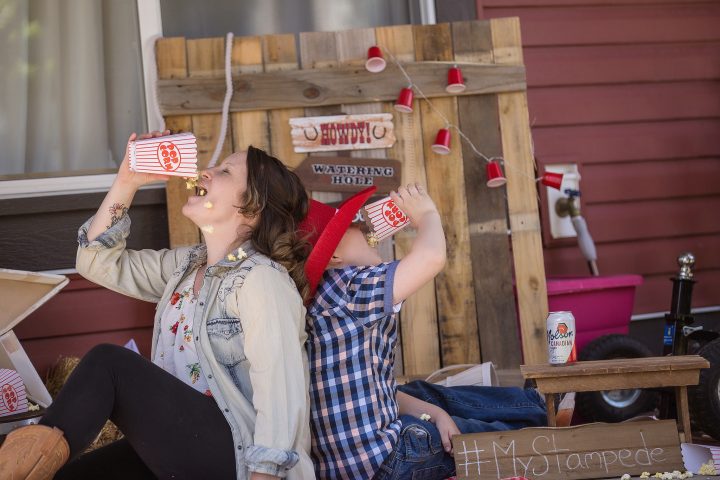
{"points": [[325, 227]]}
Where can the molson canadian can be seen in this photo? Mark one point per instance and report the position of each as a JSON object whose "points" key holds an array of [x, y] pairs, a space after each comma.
{"points": [[561, 338]]}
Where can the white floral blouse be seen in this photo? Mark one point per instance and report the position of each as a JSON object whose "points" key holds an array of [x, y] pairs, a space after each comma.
{"points": [[176, 347]]}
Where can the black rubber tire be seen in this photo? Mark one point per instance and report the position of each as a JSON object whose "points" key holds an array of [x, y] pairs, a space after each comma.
{"points": [[592, 405], [705, 399]]}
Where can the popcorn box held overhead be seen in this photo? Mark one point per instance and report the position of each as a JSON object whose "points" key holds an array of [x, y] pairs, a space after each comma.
{"points": [[386, 218], [168, 155]]}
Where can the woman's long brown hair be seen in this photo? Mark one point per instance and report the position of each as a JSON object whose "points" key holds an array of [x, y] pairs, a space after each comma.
{"points": [[277, 196]]}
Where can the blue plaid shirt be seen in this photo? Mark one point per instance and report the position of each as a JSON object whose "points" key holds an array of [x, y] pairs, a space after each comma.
{"points": [[352, 331]]}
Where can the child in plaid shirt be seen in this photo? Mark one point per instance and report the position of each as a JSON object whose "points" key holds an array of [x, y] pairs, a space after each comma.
{"points": [[365, 426]]}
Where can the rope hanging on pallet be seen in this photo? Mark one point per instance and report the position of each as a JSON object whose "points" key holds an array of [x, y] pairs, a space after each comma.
{"points": [[226, 102]]}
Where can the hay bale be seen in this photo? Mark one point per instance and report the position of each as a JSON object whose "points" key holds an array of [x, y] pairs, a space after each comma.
{"points": [[59, 373], [56, 378]]}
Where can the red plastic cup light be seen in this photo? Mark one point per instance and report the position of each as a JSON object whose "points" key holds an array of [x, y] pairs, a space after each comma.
{"points": [[495, 177], [455, 81], [552, 180], [404, 102], [375, 62], [442, 142]]}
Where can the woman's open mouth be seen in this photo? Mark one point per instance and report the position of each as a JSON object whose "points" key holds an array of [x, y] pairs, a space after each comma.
{"points": [[200, 191]]}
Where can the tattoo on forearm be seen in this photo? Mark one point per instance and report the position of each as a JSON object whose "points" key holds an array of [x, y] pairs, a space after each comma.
{"points": [[117, 210]]}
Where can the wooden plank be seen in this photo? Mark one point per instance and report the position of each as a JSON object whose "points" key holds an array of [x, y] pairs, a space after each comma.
{"points": [[683, 413], [586, 451], [472, 42], [607, 24], [280, 54], [342, 85], [454, 285], [248, 128], [206, 60], [418, 318], [574, 105], [318, 50], [616, 366], [490, 247], [171, 57], [617, 382], [352, 46], [172, 63], [601, 64], [522, 202]]}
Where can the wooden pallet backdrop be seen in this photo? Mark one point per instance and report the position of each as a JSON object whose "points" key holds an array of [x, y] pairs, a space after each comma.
{"points": [[468, 314]]}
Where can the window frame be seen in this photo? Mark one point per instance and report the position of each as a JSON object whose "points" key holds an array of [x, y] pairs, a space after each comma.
{"points": [[150, 29]]}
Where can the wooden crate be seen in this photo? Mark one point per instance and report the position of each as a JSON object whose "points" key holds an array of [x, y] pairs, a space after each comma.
{"points": [[468, 314]]}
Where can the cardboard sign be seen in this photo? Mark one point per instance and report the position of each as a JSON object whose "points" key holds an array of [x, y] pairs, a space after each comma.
{"points": [[342, 132], [347, 174], [21, 293], [598, 450]]}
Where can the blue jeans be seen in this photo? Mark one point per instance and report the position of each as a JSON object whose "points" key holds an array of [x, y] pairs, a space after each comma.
{"points": [[419, 454]]}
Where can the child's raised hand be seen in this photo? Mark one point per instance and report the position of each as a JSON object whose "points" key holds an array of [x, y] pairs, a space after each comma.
{"points": [[137, 179], [414, 201]]}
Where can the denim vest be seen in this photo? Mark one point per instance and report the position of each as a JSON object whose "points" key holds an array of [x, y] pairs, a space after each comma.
{"points": [[272, 434]]}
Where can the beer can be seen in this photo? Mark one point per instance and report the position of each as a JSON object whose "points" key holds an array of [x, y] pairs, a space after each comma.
{"points": [[561, 337]]}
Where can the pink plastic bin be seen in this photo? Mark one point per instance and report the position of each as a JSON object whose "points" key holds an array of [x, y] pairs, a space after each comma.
{"points": [[600, 305]]}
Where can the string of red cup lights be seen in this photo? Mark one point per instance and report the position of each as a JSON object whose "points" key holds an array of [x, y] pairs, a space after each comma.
{"points": [[404, 104]]}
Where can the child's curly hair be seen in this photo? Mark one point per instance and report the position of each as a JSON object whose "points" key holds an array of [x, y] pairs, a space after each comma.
{"points": [[279, 198]]}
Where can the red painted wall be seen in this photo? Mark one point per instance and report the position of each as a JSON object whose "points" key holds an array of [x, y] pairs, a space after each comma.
{"points": [[630, 91], [81, 316]]}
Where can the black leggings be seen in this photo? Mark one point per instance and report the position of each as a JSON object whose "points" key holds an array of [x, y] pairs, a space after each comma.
{"points": [[171, 430]]}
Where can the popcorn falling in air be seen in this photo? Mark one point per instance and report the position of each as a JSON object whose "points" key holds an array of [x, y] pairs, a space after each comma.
{"points": [[372, 239], [208, 205], [207, 229], [191, 183]]}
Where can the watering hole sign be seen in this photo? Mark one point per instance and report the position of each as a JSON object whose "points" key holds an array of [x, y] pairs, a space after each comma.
{"points": [[349, 174], [598, 450]]}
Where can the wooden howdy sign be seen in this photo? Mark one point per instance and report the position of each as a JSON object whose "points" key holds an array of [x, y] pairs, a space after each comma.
{"points": [[349, 174], [342, 132], [597, 450]]}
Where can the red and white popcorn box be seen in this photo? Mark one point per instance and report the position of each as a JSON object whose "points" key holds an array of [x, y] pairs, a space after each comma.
{"points": [[386, 218], [169, 155], [13, 399]]}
